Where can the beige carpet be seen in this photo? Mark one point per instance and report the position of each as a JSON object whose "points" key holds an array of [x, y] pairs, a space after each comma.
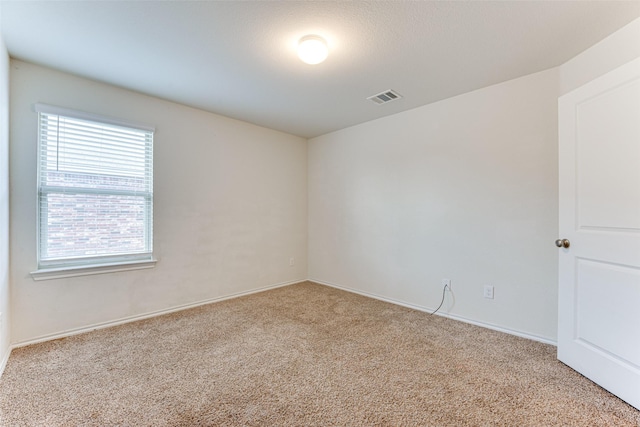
{"points": [[303, 355]]}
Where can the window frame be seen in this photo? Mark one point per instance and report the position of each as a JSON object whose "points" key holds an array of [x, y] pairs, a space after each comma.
{"points": [[84, 265]]}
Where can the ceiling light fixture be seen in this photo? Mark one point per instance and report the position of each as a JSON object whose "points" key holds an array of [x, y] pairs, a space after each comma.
{"points": [[312, 49]]}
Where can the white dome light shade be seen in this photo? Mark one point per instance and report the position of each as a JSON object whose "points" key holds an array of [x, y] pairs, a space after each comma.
{"points": [[312, 49]]}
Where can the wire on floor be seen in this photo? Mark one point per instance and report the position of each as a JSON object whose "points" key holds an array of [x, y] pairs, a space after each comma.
{"points": [[441, 302]]}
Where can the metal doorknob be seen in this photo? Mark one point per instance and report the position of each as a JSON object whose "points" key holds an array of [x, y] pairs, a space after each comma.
{"points": [[563, 243]]}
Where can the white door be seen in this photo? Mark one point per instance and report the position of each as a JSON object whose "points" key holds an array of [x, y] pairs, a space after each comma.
{"points": [[599, 277]]}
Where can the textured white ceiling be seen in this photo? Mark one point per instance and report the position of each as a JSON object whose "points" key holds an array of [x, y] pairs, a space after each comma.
{"points": [[238, 58]]}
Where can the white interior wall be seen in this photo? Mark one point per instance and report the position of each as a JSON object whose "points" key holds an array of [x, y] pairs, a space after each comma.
{"points": [[464, 189], [5, 337], [230, 209]]}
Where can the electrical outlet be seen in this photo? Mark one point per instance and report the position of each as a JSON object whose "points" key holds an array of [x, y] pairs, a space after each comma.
{"points": [[447, 283], [292, 262], [488, 292]]}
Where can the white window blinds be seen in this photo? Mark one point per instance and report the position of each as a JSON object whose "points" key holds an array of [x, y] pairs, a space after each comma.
{"points": [[95, 189]]}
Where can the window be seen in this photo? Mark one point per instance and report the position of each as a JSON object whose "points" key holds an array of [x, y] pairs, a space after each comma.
{"points": [[95, 190]]}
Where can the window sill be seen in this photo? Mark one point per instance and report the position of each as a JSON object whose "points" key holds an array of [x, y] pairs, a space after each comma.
{"points": [[86, 270]]}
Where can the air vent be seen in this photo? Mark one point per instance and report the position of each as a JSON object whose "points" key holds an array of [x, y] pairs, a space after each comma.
{"points": [[384, 97]]}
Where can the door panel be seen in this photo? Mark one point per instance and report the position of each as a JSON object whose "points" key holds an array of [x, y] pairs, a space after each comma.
{"points": [[618, 298], [604, 167]]}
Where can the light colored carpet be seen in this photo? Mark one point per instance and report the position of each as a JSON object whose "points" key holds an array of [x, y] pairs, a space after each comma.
{"points": [[303, 355]]}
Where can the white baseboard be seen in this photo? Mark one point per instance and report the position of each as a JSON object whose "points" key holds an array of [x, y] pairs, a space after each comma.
{"points": [[5, 359], [108, 324], [448, 315]]}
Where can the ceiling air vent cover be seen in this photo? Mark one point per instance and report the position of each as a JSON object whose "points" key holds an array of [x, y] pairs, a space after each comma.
{"points": [[384, 97]]}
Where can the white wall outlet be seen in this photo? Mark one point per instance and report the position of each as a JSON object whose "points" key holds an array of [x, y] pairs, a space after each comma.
{"points": [[292, 262], [447, 283], [488, 291]]}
